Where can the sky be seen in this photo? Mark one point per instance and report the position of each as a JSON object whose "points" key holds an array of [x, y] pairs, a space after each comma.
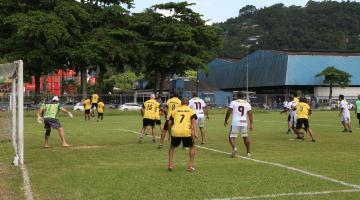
{"points": [[220, 10]]}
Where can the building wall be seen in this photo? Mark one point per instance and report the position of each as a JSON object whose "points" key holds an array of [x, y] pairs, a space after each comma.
{"points": [[348, 92], [302, 69]]}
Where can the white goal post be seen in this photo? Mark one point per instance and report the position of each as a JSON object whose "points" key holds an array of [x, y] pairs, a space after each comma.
{"points": [[11, 74]]}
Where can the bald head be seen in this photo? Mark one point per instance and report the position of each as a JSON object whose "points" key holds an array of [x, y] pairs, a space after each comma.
{"points": [[152, 96], [185, 101]]}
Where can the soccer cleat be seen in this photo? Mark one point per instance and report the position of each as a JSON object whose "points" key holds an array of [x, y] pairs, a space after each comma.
{"points": [[350, 131], [233, 153], [313, 140], [170, 168], [190, 169], [248, 155], [345, 130], [288, 131], [140, 140], [154, 141], [160, 146]]}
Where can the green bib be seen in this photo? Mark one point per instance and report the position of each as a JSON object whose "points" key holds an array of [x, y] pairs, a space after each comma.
{"points": [[358, 106], [51, 110]]}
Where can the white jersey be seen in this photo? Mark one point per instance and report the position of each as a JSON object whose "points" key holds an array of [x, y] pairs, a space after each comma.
{"points": [[345, 106], [290, 106], [239, 110], [197, 105]]}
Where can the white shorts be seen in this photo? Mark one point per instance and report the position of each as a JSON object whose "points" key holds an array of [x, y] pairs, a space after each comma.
{"points": [[235, 130], [345, 117], [201, 121]]}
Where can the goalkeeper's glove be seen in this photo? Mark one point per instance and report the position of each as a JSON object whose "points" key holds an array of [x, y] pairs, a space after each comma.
{"points": [[70, 115]]}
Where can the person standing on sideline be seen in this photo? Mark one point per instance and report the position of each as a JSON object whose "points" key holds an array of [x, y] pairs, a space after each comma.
{"points": [[148, 114], [344, 114], [240, 110], [199, 107], [303, 111], [100, 110], [182, 124], [357, 109], [94, 103], [47, 114], [87, 108], [171, 105]]}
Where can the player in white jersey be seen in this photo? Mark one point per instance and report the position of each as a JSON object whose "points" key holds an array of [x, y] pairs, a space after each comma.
{"points": [[344, 114], [240, 109], [199, 107]]}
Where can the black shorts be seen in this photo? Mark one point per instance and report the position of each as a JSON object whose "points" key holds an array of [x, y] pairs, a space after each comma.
{"points": [[100, 115], [94, 105], [289, 118], [302, 121], [157, 121], [87, 111], [166, 125], [358, 116], [186, 141], [148, 122], [51, 123]]}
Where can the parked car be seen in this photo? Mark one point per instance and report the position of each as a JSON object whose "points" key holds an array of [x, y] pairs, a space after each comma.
{"points": [[79, 106], [68, 105], [130, 106]]}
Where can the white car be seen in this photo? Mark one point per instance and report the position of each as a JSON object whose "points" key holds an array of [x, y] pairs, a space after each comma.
{"points": [[130, 106], [79, 106]]}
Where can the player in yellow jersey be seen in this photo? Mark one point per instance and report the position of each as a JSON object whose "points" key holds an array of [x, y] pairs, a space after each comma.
{"points": [[182, 123], [303, 111], [148, 112], [94, 103], [87, 107], [100, 110], [171, 105]]}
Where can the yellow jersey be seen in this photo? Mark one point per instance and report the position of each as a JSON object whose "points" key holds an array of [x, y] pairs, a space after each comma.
{"points": [[87, 104], [296, 100], [94, 98], [302, 110], [181, 118], [150, 107], [172, 104], [157, 112], [101, 107]]}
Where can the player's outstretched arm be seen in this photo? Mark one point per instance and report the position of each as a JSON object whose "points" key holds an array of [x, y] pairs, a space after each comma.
{"points": [[228, 113], [66, 111], [251, 120]]}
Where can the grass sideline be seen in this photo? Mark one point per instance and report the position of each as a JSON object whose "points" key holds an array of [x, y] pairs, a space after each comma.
{"points": [[107, 163]]}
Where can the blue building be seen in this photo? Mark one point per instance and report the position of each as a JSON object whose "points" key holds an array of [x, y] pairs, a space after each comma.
{"points": [[284, 72]]}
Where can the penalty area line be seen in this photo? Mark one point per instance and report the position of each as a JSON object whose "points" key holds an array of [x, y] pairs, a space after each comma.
{"points": [[276, 165], [26, 183], [268, 196]]}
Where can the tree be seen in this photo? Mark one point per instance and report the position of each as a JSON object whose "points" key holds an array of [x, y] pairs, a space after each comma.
{"points": [[176, 42], [333, 77]]}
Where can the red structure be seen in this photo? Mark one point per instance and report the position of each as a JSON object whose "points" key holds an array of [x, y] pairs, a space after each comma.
{"points": [[57, 82]]}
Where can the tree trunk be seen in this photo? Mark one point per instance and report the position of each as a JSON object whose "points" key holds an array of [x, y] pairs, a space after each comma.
{"points": [[37, 77], [161, 87], [330, 94], [83, 82]]}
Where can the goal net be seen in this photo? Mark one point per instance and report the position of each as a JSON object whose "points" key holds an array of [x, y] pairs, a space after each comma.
{"points": [[11, 108]]}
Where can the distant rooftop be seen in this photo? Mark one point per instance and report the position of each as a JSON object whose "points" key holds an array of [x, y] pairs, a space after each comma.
{"points": [[313, 52]]}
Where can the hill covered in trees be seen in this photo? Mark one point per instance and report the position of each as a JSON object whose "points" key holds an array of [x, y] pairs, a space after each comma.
{"points": [[327, 25]]}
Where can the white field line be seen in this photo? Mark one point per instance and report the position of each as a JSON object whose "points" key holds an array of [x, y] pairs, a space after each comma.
{"points": [[267, 196], [274, 164], [26, 183]]}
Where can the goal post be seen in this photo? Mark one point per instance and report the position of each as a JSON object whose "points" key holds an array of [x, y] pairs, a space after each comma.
{"points": [[12, 107]]}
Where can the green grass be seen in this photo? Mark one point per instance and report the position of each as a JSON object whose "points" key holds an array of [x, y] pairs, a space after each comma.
{"points": [[107, 163]]}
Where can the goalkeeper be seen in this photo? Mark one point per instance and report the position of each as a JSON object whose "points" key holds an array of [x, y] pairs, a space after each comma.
{"points": [[47, 114]]}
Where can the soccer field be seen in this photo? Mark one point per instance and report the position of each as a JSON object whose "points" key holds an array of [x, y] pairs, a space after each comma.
{"points": [[107, 162]]}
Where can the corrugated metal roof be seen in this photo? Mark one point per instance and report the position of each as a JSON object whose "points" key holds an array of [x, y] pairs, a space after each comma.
{"points": [[280, 68]]}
